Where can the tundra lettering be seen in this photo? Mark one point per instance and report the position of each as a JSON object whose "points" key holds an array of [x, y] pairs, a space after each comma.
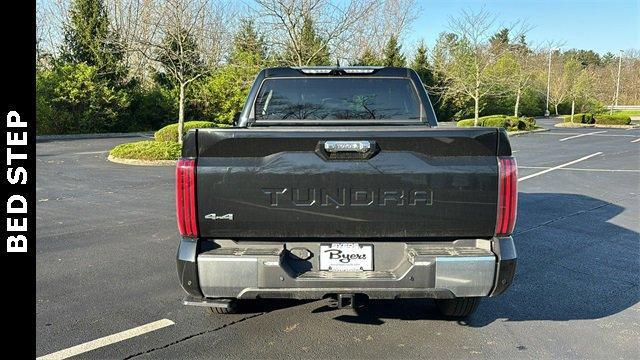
{"points": [[306, 197]]}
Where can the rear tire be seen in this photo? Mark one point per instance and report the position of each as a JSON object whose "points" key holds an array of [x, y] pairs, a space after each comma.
{"points": [[458, 307]]}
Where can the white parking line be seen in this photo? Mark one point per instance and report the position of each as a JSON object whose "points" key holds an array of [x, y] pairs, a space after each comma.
{"points": [[572, 133], [581, 135], [636, 140], [559, 166], [579, 169], [108, 340]]}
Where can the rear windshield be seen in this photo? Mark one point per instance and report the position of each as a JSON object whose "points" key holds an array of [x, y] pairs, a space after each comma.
{"points": [[337, 98]]}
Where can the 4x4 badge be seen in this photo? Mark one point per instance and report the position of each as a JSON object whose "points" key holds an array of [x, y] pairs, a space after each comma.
{"points": [[219, 217]]}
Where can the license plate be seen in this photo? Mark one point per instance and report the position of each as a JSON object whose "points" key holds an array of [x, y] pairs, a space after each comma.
{"points": [[346, 257]]}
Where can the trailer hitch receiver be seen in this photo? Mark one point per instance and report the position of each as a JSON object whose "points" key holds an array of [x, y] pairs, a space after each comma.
{"points": [[346, 301]]}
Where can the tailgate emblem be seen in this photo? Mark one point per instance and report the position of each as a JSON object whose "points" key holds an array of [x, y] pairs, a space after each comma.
{"points": [[347, 146], [219, 217]]}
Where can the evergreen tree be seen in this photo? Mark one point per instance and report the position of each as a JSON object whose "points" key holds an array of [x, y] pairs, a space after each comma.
{"points": [[181, 58], [392, 53], [608, 58], [499, 40], [421, 65], [520, 46], [311, 49], [87, 39], [73, 98], [585, 57], [368, 58], [248, 45]]}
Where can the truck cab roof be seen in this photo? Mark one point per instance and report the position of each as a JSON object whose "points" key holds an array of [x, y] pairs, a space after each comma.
{"points": [[374, 71]]}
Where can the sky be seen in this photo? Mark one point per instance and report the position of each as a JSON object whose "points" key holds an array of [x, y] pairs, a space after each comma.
{"points": [[601, 25]]}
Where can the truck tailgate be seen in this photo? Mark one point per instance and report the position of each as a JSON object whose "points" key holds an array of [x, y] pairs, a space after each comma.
{"points": [[284, 182]]}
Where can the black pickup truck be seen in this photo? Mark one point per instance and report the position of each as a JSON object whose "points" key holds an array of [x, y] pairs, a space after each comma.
{"points": [[338, 182]]}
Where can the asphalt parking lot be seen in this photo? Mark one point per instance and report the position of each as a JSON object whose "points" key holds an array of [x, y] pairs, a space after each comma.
{"points": [[107, 237]]}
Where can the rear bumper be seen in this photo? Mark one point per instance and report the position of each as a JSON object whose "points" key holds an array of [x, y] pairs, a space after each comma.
{"points": [[224, 269]]}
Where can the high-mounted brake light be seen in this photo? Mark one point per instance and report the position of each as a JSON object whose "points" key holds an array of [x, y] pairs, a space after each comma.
{"points": [[339, 71], [186, 197], [315, 71], [507, 195], [359, 70]]}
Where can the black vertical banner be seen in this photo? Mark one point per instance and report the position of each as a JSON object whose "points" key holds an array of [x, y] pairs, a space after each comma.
{"points": [[18, 202]]}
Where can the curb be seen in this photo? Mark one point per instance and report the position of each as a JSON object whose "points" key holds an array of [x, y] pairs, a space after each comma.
{"points": [[93, 136], [577, 126], [550, 117], [138, 162], [516, 133]]}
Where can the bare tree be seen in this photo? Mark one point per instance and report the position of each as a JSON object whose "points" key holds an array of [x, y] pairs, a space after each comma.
{"points": [[39, 31], [630, 78], [334, 23], [391, 19], [131, 20], [559, 84], [605, 79], [184, 39], [580, 80], [522, 66], [50, 19], [467, 61]]}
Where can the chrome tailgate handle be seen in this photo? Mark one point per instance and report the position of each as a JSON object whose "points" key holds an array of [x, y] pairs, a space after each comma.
{"points": [[361, 146]]}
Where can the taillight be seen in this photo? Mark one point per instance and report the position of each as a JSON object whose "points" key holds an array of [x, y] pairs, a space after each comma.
{"points": [[186, 197], [507, 195]]}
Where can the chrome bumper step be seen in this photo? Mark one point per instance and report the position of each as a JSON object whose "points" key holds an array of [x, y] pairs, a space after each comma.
{"points": [[464, 268]]}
